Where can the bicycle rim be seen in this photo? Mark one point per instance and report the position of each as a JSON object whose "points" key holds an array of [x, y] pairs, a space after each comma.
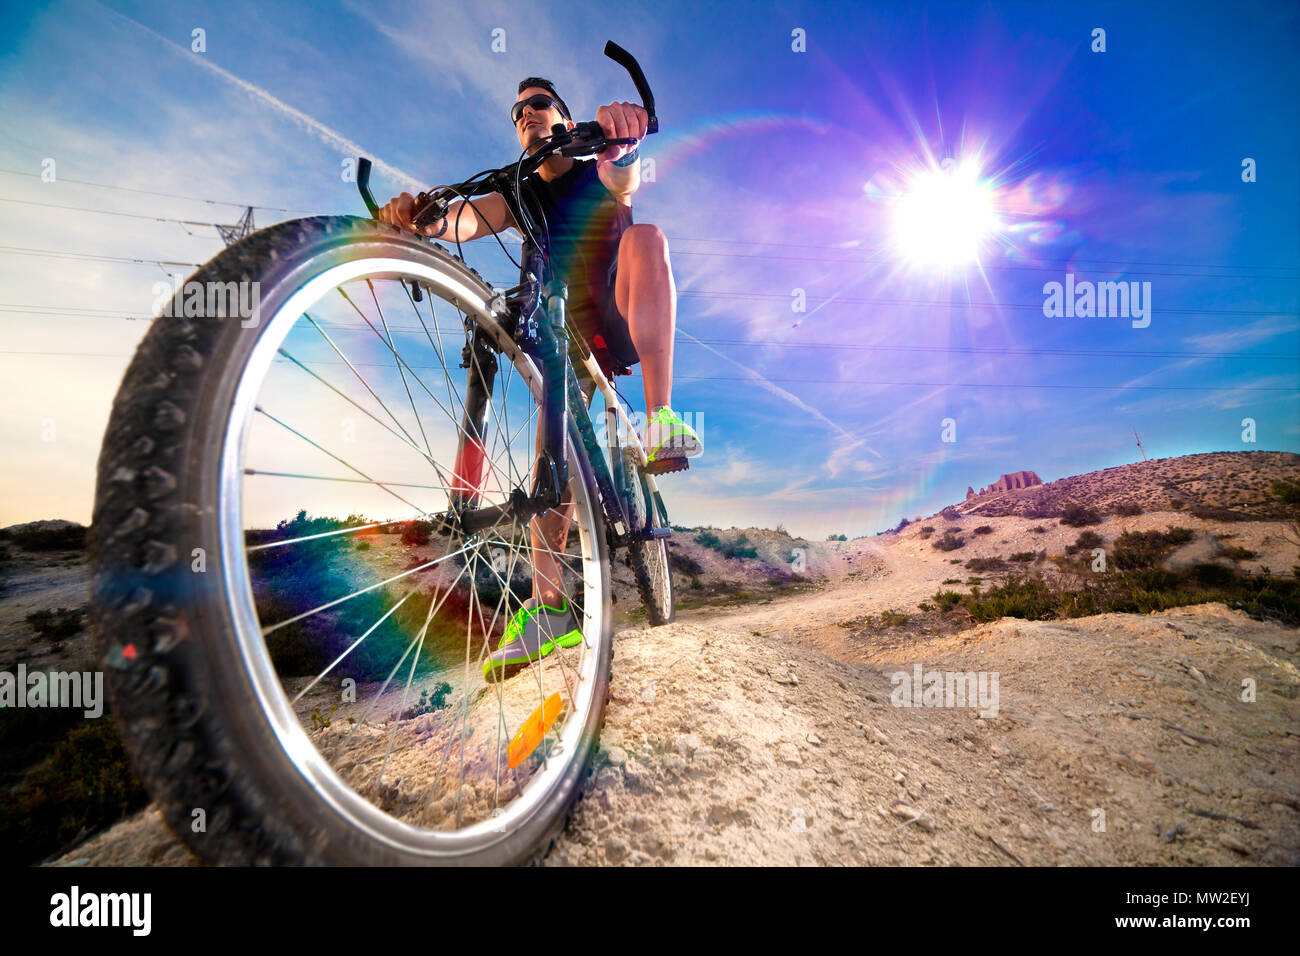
{"points": [[415, 752]]}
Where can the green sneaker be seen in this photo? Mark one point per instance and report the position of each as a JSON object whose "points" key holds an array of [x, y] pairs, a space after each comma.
{"points": [[667, 436], [533, 633]]}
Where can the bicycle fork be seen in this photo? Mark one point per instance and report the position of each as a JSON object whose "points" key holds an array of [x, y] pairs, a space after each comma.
{"points": [[546, 342]]}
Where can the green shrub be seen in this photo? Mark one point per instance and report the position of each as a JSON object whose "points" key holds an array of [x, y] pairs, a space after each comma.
{"points": [[893, 619], [1027, 597], [1086, 541], [83, 786], [428, 702], [1210, 575], [740, 548], [1077, 515], [56, 625], [417, 533], [947, 600], [986, 564], [948, 542], [1139, 549], [984, 529], [1024, 556], [687, 565], [1238, 553], [1146, 549], [1128, 509], [837, 537], [72, 538], [1216, 513], [952, 581], [709, 540]]}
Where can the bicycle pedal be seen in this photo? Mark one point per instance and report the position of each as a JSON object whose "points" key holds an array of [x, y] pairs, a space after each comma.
{"points": [[665, 466]]}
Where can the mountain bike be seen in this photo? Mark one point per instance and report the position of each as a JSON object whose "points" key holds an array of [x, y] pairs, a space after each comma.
{"points": [[312, 523]]}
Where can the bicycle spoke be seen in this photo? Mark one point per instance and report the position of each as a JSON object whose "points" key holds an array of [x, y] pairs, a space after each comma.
{"points": [[392, 344], [354, 481], [361, 378], [259, 408], [361, 408], [338, 660], [337, 601], [312, 537]]}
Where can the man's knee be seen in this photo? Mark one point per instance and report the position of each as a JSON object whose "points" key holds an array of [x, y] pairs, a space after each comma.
{"points": [[643, 241]]}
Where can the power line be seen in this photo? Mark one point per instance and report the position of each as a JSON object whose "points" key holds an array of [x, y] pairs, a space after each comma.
{"points": [[107, 212], [992, 350], [984, 268], [57, 310], [813, 381], [153, 192], [686, 252], [943, 303], [708, 294], [818, 381], [90, 257], [843, 248]]}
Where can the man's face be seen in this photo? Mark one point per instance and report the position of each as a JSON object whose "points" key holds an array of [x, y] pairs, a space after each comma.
{"points": [[536, 124]]}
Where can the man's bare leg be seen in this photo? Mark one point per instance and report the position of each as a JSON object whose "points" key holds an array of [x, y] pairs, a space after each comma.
{"points": [[551, 530], [647, 298]]}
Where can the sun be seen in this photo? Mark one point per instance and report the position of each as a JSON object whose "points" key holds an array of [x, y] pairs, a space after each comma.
{"points": [[945, 215]]}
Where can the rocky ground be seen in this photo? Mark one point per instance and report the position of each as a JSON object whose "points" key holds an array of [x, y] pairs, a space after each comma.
{"points": [[766, 733], [761, 726]]}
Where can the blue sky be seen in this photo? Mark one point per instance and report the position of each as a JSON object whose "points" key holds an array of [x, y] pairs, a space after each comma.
{"points": [[775, 171]]}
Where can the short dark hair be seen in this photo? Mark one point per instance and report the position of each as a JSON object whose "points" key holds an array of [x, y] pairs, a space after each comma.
{"points": [[545, 85]]}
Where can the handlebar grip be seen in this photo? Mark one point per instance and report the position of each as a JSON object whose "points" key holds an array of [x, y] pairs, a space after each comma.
{"points": [[363, 186], [629, 63]]}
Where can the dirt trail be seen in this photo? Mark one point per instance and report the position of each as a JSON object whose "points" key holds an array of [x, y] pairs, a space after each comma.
{"points": [[767, 735]]}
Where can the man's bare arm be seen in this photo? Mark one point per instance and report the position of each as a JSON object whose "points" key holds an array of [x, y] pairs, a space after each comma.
{"points": [[620, 121], [463, 222], [621, 181]]}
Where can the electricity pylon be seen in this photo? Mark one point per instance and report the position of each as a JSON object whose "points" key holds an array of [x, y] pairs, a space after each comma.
{"points": [[232, 234]]}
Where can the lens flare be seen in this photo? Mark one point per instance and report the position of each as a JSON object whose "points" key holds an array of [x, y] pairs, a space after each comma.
{"points": [[945, 216]]}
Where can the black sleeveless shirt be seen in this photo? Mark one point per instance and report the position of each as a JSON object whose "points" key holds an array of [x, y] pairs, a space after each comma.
{"points": [[585, 223]]}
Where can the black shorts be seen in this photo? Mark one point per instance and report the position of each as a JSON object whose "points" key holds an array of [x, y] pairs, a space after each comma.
{"points": [[611, 333], [618, 339]]}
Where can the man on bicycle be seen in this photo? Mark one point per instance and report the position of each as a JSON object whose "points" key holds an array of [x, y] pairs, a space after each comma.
{"points": [[622, 301]]}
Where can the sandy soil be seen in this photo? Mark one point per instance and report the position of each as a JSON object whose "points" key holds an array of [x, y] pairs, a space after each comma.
{"points": [[766, 734]]}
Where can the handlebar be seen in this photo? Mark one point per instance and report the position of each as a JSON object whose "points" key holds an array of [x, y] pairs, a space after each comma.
{"points": [[584, 139]]}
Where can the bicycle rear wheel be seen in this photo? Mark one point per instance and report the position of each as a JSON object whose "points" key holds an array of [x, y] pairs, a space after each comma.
{"points": [[293, 644], [649, 559]]}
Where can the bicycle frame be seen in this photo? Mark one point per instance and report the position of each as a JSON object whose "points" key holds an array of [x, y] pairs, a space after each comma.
{"points": [[545, 339]]}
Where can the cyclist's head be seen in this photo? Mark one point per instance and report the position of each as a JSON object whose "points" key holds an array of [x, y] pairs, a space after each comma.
{"points": [[534, 123]]}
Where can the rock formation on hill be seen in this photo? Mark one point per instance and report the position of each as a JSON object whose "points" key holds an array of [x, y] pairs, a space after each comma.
{"points": [[1016, 479]]}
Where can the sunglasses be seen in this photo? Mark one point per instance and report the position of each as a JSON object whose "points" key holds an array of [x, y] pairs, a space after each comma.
{"points": [[538, 101]]}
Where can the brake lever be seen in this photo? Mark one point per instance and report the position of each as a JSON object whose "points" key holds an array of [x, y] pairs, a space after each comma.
{"points": [[429, 208]]}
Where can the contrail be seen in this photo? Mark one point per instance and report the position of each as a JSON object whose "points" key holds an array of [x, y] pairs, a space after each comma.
{"points": [[782, 393], [313, 125]]}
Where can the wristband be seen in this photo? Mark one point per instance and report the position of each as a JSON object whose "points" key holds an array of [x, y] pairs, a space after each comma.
{"points": [[629, 159], [440, 232]]}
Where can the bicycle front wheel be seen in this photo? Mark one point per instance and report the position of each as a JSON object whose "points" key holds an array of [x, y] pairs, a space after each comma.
{"points": [[294, 639]]}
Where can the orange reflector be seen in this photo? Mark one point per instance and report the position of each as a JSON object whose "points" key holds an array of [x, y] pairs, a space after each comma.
{"points": [[533, 731]]}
